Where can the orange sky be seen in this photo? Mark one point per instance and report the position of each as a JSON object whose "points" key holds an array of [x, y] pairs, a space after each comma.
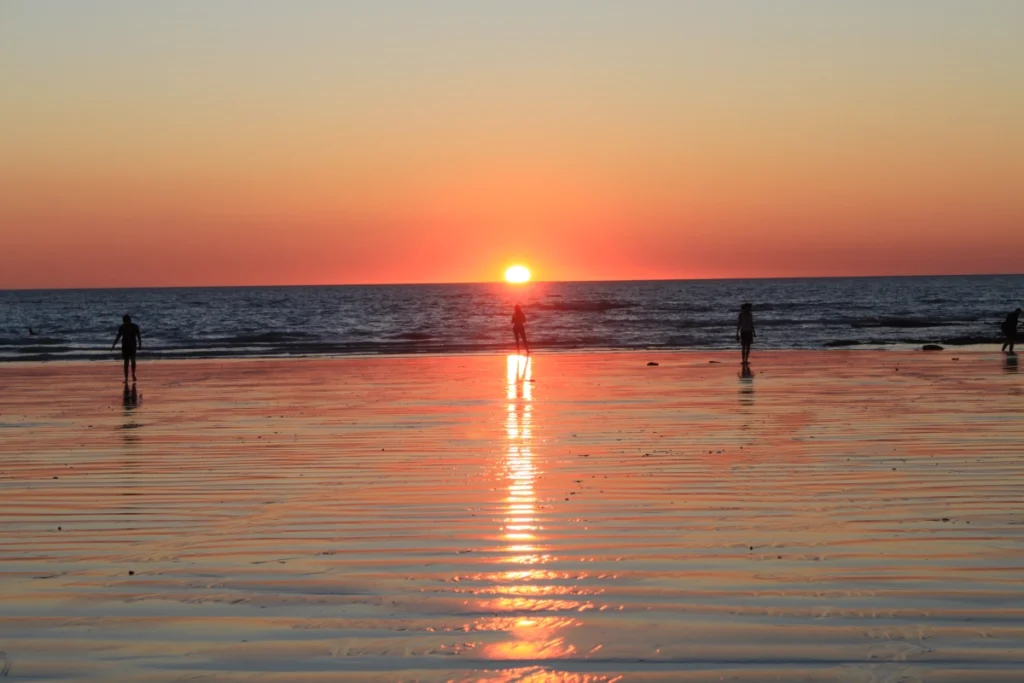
{"points": [[227, 143]]}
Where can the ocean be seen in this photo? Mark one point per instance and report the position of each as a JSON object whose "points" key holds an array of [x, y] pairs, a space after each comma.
{"points": [[806, 313]]}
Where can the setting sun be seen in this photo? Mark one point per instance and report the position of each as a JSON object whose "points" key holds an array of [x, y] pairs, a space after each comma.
{"points": [[518, 274]]}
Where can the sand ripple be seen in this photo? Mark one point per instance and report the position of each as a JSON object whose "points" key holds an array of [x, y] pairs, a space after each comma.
{"points": [[847, 516]]}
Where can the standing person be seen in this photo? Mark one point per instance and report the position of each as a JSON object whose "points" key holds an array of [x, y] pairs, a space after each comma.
{"points": [[131, 341], [1010, 329], [519, 328], [745, 330]]}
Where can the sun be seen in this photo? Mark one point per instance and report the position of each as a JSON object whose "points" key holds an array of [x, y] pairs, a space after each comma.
{"points": [[517, 274]]}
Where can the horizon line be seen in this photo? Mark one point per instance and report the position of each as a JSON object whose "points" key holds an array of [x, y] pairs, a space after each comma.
{"points": [[502, 282]]}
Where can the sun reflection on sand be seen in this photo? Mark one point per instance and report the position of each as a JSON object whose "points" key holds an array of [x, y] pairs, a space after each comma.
{"points": [[520, 521], [520, 598]]}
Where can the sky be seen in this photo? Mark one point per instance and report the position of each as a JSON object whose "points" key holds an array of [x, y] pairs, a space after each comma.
{"points": [[230, 142]]}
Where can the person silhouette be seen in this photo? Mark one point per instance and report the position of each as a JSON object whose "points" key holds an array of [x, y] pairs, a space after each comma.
{"points": [[745, 331], [1010, 330], [519, 328], [131, 341]]}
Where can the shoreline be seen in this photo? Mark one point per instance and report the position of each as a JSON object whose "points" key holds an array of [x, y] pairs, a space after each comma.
{"points": [[115, 356]]}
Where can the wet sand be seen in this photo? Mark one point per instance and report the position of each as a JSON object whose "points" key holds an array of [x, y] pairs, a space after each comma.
{"points": [[839, 516]]}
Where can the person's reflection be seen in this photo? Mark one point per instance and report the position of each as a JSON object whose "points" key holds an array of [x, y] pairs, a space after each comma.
{"points": [[1010, 363], [130, 401], [519, 376], [130, 398], [746, 387]]}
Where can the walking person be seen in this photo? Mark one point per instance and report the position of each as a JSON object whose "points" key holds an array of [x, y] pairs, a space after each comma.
{"points": [[519, 328], [1010, 330], [745, 330], [131, 341]]}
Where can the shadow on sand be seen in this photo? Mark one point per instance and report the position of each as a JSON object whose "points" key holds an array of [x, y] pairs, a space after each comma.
{"points": [[1010, 363]]}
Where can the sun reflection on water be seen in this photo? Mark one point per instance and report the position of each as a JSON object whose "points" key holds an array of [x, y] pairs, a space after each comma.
{"points": [[520, 520], [531, 605], [520, 526]]}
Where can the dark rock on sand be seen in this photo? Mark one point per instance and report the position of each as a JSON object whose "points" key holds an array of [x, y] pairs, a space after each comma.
{"points": [[931, 347], [651, 363]]}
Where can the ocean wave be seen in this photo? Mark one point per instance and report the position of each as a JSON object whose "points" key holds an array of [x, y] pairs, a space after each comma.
{"points": [[898, 323], [789, 306], [42, 348], [683, 308], [967, 340], [32, 340], [583, 306], [411, 336], [644, 323], [276, 337]]}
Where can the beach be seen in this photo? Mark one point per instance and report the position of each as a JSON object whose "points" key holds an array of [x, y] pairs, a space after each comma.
{"points": [[836, 516]]}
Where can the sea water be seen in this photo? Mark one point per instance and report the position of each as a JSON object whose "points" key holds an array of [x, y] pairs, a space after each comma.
{"points": [[807, 313]]}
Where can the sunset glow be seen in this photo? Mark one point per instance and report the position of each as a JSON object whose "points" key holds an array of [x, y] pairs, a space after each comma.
{"points": [[517, 274], [170, 144]]}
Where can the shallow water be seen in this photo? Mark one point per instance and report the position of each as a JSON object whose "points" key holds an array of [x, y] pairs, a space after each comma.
{"points": [[847, 516]]}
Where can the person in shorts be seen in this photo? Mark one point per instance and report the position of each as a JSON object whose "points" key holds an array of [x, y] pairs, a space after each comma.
{"points": [[131, 341], [745, 333]]}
